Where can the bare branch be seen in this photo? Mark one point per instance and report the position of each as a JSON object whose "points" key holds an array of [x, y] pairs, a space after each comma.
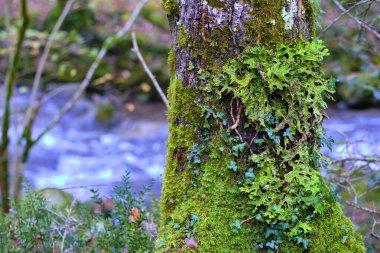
{"points": [[342, 14], [68, 221], [360, 22], [365, 209], [33, 103], [237, 121], [299, 14], [373, 234], [85, 186], [147, 70], [44, 57], [7, 15], [109, 42], [9, 87]]}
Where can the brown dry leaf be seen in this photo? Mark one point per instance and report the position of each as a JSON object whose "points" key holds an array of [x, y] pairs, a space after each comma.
{"points": [[135, 213]]}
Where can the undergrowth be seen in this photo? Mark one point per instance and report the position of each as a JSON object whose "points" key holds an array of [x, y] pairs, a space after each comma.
{"points": [[118, 224]]}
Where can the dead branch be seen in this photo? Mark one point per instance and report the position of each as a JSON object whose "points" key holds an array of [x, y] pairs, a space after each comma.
{"points": [[342, 14], [106, 45], [360, 22], [147, 70]]}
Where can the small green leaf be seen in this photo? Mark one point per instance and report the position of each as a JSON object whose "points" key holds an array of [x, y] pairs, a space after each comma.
{"points": [[232, 165]]}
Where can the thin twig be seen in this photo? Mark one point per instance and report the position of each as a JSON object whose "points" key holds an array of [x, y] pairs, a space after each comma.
{"points": [[370, 211], [359, 159], [342, 14], [10, 83], [373, 234], [361, 23], [236, 123], [248, 219], [67, 224], [33, 104], [299, 14], [7, 15], [51, 94], [44, 57], [85, 186], [147, 70], [370, 189], [106, 45]]}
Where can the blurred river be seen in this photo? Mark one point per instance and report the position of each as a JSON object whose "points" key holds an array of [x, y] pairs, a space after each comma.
{"points": [[82, 153]]}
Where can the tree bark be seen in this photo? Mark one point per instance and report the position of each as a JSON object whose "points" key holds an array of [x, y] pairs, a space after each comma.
{"points": [[246, 111]]}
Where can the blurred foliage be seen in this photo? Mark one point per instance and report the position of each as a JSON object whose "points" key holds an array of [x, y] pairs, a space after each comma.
{"points": [[354, 59], [355, 53], [121, 223], [355, 181], [77, 44]]}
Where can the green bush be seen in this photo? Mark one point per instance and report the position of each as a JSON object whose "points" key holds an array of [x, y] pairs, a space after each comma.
{"points": [[118, 224]]}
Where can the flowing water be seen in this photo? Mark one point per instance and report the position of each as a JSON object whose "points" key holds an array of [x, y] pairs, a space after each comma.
{"points": [[82, 153]]}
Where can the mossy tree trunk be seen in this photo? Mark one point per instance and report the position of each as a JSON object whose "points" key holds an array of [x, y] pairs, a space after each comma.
{"points": [[246, 111]]}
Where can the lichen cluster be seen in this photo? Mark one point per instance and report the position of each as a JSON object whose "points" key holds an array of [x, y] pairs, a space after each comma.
{"points": [[243, 157], [245, 132], [282, 93]]}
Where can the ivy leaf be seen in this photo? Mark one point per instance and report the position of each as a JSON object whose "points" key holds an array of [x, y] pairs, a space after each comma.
{"points": [[288, 134], [258, 141], [197, 160], [327, 141], [236, 226], [220, 115], [232, 165], [238, 148], [249, 176]]}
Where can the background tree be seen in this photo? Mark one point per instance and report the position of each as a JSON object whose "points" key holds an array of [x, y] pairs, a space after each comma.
{"points": [[246, 111]]}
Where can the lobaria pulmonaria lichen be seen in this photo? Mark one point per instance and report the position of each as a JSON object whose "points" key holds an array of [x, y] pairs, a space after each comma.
{"points": [[243, 158]]}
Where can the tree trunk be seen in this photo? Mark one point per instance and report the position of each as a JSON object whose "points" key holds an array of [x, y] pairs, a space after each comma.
{"points": [[246, 111]]}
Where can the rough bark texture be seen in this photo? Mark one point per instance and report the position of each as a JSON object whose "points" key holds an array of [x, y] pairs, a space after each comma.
{"points": [[245, 115]]}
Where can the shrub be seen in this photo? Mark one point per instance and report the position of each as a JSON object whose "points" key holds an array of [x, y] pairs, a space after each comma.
{"points": [[119, 224]]}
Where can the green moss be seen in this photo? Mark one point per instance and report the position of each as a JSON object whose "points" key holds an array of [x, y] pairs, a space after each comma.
{"points": [[171, 62], [264, 196], [267, 28], [171, 7], [182, 37], [254, 188], [261, 28], [216, 200], [216, 3], [311, 14], [181, 113]]}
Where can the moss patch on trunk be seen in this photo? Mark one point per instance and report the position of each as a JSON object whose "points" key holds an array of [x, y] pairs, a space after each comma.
{"points": [[243, 158]]}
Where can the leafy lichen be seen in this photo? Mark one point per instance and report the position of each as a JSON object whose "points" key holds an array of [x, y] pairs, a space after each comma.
{"points": [[255, 187]]}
